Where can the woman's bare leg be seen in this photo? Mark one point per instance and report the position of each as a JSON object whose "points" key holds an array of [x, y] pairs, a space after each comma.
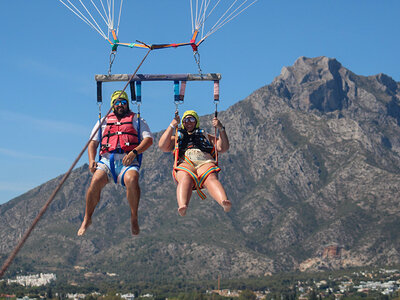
{"points": [[215, 188], [184, 188]]}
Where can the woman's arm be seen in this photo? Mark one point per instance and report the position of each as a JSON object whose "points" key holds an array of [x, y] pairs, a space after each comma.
{"points": [[167, 140], [222, 141]]}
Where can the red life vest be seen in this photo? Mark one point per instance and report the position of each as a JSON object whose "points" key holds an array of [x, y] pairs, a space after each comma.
{"points": [[119, 134]]}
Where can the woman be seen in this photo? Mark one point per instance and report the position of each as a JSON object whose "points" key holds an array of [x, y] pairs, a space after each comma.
{"points": [[195, 166]]}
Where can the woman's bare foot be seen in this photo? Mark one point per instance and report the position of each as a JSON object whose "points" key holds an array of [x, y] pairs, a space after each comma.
{"points": [[135, 226], [226, 204], [85, 224], [182, 210]]}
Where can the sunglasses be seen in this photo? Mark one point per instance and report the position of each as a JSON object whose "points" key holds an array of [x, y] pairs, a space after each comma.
{"points": [[189, 119], [120, 102]]}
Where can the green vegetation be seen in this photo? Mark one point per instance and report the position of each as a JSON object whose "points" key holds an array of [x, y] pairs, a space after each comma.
{"points": [[286, 286]]}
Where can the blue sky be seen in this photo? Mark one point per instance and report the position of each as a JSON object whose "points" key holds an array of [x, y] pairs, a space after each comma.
{"points": [[49, 57]]}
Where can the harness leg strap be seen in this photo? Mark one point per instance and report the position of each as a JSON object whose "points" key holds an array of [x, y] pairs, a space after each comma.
{"points": [[204, 176], [123, 174], [195, 180], [112, 167]]}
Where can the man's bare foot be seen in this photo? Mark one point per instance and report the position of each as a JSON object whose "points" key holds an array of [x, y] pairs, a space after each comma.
{"points": [[135, 226], [85, 224], [226, 204], [182, 210]]}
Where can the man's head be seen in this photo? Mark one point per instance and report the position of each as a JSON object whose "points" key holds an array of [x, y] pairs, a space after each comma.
{"points": [[190, 120], [120, 103]]}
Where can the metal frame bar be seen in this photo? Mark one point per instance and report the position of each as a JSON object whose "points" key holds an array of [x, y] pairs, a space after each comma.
{"points": [[158, 77]]}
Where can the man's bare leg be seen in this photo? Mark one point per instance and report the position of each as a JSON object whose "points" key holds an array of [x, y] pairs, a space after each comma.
{"points": [[131, 181], [99, 180]]}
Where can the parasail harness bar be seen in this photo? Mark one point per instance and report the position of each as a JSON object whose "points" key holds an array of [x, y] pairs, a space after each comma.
{"points": [[159, 77], [179, 91]]}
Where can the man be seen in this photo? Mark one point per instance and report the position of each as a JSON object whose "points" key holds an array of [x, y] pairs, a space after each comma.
{"points": [[121, 143]]}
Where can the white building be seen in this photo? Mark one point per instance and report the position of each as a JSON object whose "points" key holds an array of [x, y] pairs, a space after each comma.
{"points": [[34, 280], [128, 296]]}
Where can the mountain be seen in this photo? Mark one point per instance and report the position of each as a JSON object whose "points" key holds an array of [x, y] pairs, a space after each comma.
{"points": [[313, 173]]}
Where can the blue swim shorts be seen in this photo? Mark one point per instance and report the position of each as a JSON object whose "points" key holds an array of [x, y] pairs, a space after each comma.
{"points": [[115, 169]]}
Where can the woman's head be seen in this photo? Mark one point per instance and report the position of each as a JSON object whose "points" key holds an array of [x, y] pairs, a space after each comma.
{"points": [[190, 120]]}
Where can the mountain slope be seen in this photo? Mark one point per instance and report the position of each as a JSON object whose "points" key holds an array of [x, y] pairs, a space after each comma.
{"points": [[313, 173]]}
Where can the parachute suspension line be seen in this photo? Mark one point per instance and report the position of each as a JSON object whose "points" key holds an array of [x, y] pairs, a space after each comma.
{"points": [[230, 7], [200, 15], [191, 15], [200, 22], [204, 18], [112, 14], [81, 16], [229, 18], [109, 13], [196, 13], [98, 11], [53, 195], [104, 11], [105, 14], [223, 15], [90, 15], [119, 16]]}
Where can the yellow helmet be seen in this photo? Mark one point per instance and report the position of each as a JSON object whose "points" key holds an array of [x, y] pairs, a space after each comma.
{"points": [[119, 95], [191, 113]]}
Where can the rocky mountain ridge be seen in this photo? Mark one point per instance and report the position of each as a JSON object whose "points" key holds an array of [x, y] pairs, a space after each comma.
{"points": [[313, 173]]}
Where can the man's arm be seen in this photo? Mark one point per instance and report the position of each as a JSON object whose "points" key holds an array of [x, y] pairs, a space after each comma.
{"points": [[92, 151], [143, 146]]}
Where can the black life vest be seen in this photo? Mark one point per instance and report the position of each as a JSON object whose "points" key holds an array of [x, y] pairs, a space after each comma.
{"points": [[195, 139]]}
